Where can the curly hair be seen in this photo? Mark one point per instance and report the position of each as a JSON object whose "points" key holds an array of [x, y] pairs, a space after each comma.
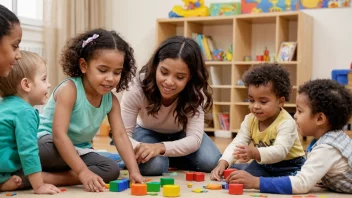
{"points": [[331, 98], [197, 91], [7, 20], [107, 40], [270, 73]]}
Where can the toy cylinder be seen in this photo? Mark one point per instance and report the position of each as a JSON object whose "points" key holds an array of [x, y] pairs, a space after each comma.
{"points": [[236, 189], [227, 172]]}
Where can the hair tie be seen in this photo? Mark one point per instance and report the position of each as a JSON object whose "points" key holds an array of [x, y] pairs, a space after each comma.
{"points": [[90, 39]]}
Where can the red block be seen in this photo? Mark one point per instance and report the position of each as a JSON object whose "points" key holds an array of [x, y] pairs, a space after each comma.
{"points": [[198, 176], [228, 171], [236, 189], [189, 176]]}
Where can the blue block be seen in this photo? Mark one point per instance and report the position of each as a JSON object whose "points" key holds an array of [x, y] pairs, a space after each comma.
{"points": [[340, 75], [128, 182], [122, 185]]}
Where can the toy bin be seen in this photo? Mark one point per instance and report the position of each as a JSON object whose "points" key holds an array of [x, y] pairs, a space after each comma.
{"points": [[340, 75]]}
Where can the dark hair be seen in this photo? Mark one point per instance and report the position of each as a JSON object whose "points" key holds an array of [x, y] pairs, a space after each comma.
{"points": [[7, 20], [197, 91], [331, 98], [107, 40], [270, 73]]}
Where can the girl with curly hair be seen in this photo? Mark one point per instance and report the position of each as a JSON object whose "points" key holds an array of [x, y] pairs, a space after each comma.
{"points": [[164, 110], [96, 62]]}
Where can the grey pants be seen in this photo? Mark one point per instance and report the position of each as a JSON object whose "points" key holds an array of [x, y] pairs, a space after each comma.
{"points": [[51, 161]]}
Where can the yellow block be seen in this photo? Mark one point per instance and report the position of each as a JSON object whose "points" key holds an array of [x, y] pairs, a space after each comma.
{"points": [[171, 191], [107, 186]]}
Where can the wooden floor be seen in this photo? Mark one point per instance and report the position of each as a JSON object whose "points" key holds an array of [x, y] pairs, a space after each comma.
{"points": [[103, 143]]}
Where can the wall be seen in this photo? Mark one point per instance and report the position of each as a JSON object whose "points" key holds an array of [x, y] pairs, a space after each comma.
{"points": [[332, 48]]}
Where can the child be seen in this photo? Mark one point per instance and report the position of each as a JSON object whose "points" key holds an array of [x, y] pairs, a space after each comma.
{"points": [[277, 149], [164, 110], [10, 38], [323, 108], [96, 62], [25, 87]]}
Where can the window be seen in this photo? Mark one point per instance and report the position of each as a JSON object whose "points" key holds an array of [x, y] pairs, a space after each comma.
{"points": [[30, 12]]}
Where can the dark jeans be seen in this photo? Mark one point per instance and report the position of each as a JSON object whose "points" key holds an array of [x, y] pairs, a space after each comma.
{"points": [[52, 161], [204, 159], [283, 168]]}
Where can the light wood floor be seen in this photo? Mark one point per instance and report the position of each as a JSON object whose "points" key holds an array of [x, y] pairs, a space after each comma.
{"points": [[103, 143]]}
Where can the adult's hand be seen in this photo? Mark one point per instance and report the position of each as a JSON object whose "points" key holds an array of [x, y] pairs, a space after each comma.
{"points": [[144, 151]]}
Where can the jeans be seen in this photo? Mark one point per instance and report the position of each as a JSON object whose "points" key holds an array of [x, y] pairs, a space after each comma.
{"points": [[204, 159], [283, 168]]}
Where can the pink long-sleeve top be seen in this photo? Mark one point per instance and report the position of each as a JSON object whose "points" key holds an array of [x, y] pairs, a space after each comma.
{"points": [[133, 110]]}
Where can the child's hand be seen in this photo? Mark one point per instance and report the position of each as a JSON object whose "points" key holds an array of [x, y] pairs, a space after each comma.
{"points": [[47, 189], [91, 181], [243, 177], [245, 153], [144, 151], [218, 171], [136, 178]]}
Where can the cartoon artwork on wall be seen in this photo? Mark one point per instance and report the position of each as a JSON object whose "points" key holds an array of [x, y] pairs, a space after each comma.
{"points": [[259, 6]]}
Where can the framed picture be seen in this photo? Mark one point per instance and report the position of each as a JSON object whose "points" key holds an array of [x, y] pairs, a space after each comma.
{"points": [[287, 51]]}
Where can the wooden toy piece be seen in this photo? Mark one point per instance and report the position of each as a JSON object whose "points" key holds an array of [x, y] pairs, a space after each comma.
{"points": [[189, 185], [171, 191], [63, 189], [107, 186], [199, 176], [138, 189], [296, 196], [11, 194], [213, 187], [128, 182], [310, 196], [167, 181], [236, 189], [225, 185], [152, 193], [153, 187], [227, 172], [257, 195], [118, 185], [189, 176], [148, 179]]}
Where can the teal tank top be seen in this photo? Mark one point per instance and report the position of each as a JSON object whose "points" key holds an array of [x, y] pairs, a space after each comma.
{"points": [[85, 118]]}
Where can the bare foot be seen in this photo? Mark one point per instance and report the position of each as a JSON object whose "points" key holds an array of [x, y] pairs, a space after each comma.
{"points": [[11, 184]]}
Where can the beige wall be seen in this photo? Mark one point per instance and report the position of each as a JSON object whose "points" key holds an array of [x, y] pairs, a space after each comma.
{"points": [[332, 45]]}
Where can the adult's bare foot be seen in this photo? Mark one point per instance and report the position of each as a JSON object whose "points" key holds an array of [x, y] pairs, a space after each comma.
{"points": [[11, 184]]}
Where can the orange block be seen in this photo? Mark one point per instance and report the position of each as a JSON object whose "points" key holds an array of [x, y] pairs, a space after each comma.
{"points": [[214, 187], [139, 189]]}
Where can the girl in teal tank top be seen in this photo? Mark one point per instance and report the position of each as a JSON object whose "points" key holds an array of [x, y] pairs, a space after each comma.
{"points": [[96, 62]]}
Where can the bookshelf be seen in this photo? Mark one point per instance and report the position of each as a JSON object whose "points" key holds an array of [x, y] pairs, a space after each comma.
{"points": [[249, 35]]}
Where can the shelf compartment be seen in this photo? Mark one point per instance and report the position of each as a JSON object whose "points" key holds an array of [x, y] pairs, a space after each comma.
{"points": [[221, 108], [169, 28], [220, 75]]}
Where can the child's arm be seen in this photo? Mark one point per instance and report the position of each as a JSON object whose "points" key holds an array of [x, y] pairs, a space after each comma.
{"points": [[286, 137], [319, 163], [26, 126], [65, 97], [123, 145], [242, 138]]}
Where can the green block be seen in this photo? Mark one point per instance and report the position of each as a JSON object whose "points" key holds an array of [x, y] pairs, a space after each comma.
{"points": [[114, 187], [167, 181], [153, 187]]}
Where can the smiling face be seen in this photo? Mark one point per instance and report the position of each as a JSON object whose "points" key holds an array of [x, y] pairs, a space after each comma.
{"points": [[103, 72], [9, 49], [172, 76], [263, 102], [40, 86]]}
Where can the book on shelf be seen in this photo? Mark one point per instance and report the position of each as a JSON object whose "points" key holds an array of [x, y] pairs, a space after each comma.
{"points": [[224, 120]]}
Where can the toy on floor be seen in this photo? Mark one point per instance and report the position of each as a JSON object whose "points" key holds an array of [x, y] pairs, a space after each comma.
{"points": [[153, 187], [63, 189], [139, 189], [199, 190], [118, 185], [170, 174], [189, 185], [257, 195], [236, 189], [191, 8], [167, 181], [171, 191], [227, 172], [213, 187], [225, 186], [152, 193], [195, 176], [11, 194]]}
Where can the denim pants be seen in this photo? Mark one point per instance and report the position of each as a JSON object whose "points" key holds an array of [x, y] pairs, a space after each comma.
{"points": [[283, 168], [204, 159]]}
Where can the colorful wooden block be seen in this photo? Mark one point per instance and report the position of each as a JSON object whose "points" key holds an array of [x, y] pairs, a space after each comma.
{"points": [[227, 172], [153, 187], [213, 187], [236, 189], [107, 186], [225, 185], [189, 176], [189, 185], [118, 185], [167, 181], [138, 189], [171, 191], [199, 176], [128, 182], [63, 189]]}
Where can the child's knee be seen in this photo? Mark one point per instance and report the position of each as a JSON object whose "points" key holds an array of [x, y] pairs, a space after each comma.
{"points": [[112, 173]]}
